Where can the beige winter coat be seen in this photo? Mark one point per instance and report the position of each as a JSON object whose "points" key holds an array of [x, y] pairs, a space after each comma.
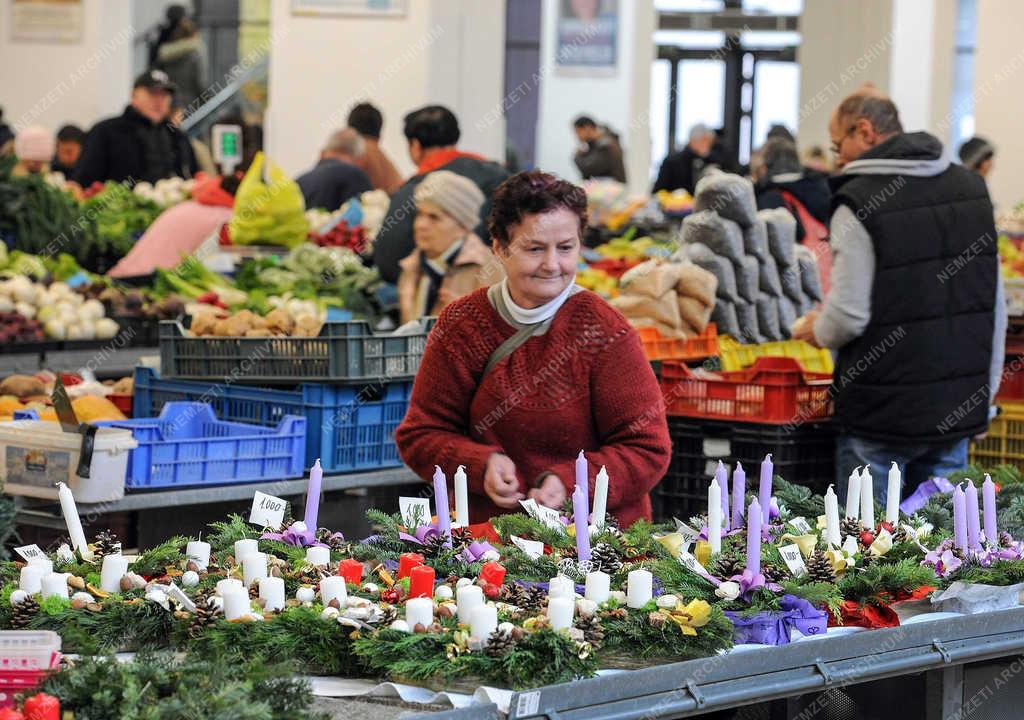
{"points": [[475, 267]]}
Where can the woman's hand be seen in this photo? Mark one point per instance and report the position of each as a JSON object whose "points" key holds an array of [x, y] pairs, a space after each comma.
{"points": [[803, 328], [500, 481], [550, 493]]}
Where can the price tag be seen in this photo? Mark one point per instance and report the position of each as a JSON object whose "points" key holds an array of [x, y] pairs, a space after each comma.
{"points": [[692, 563], [533, 548], [689, 534], [175, 593], [793, 559], [414, 511], [550, 517], [530, 506], [30, 553], [800, 524], [267, 510]]}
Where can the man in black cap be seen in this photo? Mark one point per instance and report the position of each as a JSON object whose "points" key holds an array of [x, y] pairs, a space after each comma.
{"points": [[977, 154], [141, 143]]}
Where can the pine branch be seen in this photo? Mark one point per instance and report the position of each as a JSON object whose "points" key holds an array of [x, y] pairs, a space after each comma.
{"points": [[155, 560], [527, 527], [880, 582], [225, 534], [798, 500]]}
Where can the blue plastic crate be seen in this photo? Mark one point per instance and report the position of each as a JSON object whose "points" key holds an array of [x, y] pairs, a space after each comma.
{"points": [[188, 446], [348, 428]]}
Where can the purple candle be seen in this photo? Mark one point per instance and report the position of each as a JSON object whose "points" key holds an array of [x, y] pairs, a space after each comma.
{"points": [[988, 495], [959, 519], [722, 476], [579, 513], [754, 537], [444, 513], [973, 517], [582, 479], [316, 476], [739, 490], [764, 492]]}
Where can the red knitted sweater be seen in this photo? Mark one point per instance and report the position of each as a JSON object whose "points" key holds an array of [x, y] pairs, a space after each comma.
{"points": [[585, 384]]}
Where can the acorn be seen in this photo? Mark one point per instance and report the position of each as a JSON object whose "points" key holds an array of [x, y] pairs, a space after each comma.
{"points": [[93, 607], [126, 583], [334, 603], [193, 566], [78, 603], [274, 571], [419, 628], [444, 611], [435, 629], [76, 582], [517, 634]]}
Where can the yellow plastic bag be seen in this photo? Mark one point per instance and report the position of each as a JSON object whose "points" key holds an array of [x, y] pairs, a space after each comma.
{"points": [[268, 214]]}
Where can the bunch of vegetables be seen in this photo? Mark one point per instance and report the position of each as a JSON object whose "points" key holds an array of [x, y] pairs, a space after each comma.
{"points": [[36, 215], [342, 235], [193, 281], [277, 323], [120, 217], [63, 313], [166, 192]]}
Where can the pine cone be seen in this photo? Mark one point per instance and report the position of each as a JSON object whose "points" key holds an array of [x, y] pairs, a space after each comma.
{"points": [[434, 546], [606, 558], [461, 539], [204, 614], [499, 644], [899, 535], [819, 568], [533, 600], [725, 566], [254, 590], [24, 612], [773, 573], [388, 615], [593, 631], [106, 544], [513, 594], [849, 526], [333, 541]]}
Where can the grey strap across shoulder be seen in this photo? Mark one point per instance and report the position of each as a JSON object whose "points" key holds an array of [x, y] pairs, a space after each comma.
{"points": [[514, 343]]}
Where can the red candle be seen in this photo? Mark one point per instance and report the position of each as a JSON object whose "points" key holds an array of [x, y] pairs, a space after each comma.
{"points": [[492, 572], [406, 562], [42, 707], [351, 570], [421, 582]]}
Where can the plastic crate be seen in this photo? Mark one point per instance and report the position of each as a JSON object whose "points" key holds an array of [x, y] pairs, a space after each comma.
{"points": [[1011, 384], [735, 356], [187, 445], [774, 390], [804, 455], [343, 352], [1004, 443], [659, 347], [348, 428], [26, 658]]}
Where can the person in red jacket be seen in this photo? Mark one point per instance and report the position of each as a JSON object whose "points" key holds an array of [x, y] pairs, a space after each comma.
{"points": [[519, 377]]}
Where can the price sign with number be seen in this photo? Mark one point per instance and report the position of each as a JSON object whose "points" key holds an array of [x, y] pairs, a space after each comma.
{"points": [[800, 524], [267, 510], [793, 559], [30, 553]]}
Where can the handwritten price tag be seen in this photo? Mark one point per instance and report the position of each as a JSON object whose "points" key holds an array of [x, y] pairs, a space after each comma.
{"points": [[267, 510], [30, 553], [692, 563], [533, 548], [689, 534], [793, 559], [414, 511], [549, 516], [800, 524]]}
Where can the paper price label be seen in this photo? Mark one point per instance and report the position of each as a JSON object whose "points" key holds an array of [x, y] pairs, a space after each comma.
{"points": [[174, 592], [30, 553], [793, 559], [689, 534], [533, 548], [267, 510], [530, 506], [550, 517], [527, 703], [692, 563], [800, 524], [414, 511]]}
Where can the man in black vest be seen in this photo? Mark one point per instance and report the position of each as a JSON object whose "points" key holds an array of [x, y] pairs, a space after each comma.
{"points": [[916, 309]]}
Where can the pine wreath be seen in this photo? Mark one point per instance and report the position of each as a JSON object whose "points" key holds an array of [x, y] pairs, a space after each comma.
{"points": [[499, 644], [204, 615], [106, 544], [24, 612], [819, 568], [593, 631], [605, 558]]}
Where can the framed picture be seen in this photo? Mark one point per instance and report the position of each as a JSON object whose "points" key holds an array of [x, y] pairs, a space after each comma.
{"points": [[386, 8], [588, 34], [59, 21]]}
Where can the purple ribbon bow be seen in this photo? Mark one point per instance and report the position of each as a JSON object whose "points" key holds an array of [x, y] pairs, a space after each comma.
{"points": [[775, 628], [475, 551], [300, 539], [422, 534]]}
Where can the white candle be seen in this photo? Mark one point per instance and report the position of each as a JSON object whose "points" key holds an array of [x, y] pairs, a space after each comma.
{"points": [[639, 588], [254, 567], [600, 497], [892, 497], [867, 498], [272, 592], [318, 556], [419, 611], [560, 612], [45, 563], [852, 509], [715, 516], [333, 588], [243, 548], [228, 584], [31, 578], [461, 497], [468, 598], [561, 586], [236, 603], [832, 518], [74, 523], [114, 568], [198, 551], [482, 621], [54, 584], [598, 586]]}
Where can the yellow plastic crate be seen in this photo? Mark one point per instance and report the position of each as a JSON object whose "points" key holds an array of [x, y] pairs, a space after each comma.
{"points": [[1005, 440], [737, 357]]}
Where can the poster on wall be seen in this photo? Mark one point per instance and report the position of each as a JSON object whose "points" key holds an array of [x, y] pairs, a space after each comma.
{"points": [[588, 32], [392, 8], [46, 21]]}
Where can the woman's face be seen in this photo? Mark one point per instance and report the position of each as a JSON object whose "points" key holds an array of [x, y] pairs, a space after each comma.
{"points": [[434, 230], [541, 258]]}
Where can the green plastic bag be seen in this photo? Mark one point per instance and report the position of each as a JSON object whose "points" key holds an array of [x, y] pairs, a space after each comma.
{"points": [[268, 214]]}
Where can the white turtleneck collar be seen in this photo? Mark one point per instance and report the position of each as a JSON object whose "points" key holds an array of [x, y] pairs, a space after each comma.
{"points": [[532, 316]]}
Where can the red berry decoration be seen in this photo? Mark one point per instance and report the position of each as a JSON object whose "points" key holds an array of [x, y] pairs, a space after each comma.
{"points": [[492, 591], [886, 525], [866, 538], [389, 596]]}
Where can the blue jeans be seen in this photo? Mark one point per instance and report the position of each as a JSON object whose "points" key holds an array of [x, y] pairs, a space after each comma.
{"points": [[917, 463]]}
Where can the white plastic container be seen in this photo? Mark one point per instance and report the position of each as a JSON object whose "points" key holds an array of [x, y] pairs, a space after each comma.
{"points": [[35, 455]]}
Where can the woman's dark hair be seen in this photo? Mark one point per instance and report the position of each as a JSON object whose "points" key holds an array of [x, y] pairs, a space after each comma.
{"points": [[433, 126], [532, 193], [366, 120], [71, 133]]}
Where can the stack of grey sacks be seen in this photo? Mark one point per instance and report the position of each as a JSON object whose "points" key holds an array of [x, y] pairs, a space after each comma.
{"points": [[765, 280]]}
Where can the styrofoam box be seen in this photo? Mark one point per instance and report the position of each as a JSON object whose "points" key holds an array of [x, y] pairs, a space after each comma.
{"points": [[35, 455]]}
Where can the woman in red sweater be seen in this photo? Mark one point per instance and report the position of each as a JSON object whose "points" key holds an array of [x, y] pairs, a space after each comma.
{"points": [[519, 377]]}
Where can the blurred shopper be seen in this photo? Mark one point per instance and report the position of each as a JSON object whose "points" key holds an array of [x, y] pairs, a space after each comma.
{"points": [[977, 155], [140, 144], [814, 159], [432, 133], [182, 58], [682, 169], [69, 148], [34, 147], [367, 120], [916, 309], [599, 153], [781, 182], [337, 176], [173, 15]]}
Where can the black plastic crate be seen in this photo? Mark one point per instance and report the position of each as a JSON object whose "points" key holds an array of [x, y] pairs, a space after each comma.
{"points": [[804, 455]]}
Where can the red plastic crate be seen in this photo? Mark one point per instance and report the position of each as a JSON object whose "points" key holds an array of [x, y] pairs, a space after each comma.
{"points": [[659, 347], [26, 658], [121, 402], [615, 268], [775, 390], [1011, 385]]}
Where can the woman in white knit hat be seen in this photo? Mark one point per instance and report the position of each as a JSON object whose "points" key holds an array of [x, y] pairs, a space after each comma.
{"points": [[449, 261], [34, 147]]}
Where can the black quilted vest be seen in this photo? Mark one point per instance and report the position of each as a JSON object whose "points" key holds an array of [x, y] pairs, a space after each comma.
{"points": [[920, 371]]}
